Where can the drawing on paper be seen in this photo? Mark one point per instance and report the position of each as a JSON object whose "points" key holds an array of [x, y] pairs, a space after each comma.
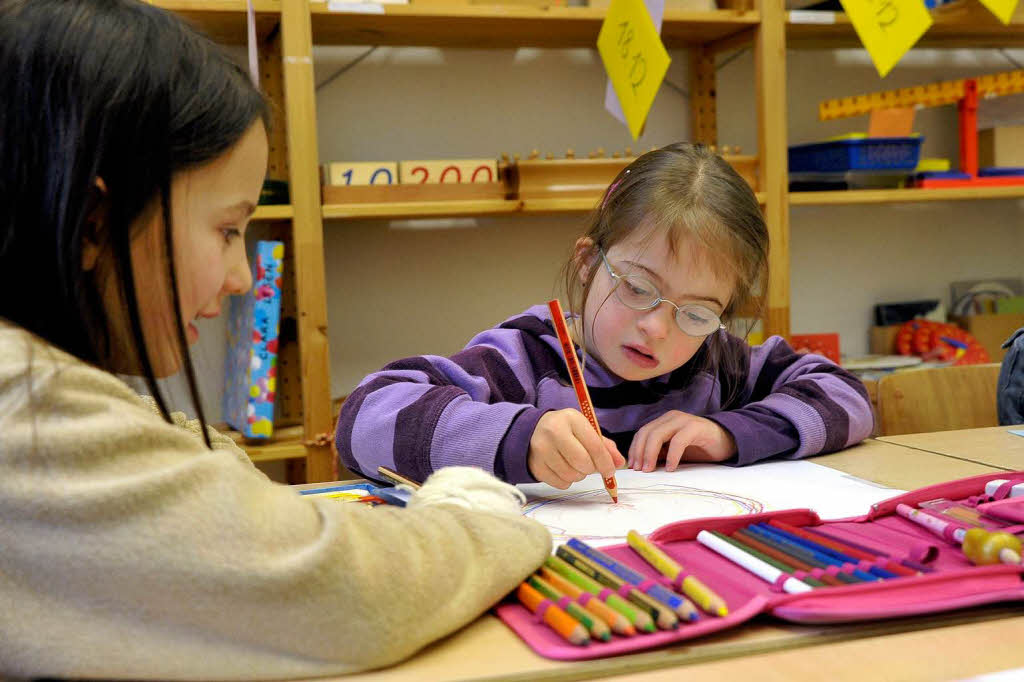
{"points": [[643, 508]]}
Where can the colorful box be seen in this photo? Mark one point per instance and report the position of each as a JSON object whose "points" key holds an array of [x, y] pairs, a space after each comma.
{"points": [[251, 367]]}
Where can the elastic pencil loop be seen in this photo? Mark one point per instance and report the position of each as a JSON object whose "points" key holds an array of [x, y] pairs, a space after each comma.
{"points": [[677, 584], [624, 590], [816, 572], [584, 598], [564, 602], [832, 570], [777, 584], [800, 574], [847, 567], [1003, 490], [866, 565], [646, 585], [880, 562], [542, 607], [604, 594], [947, 533]]}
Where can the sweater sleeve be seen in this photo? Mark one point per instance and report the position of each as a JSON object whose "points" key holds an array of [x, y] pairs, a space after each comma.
{"points": [[795, 405], [475, 408], [143, 554]]}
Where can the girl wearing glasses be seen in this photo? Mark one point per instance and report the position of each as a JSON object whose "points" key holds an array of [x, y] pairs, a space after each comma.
{"points": [[135, 544], [676, 248]]}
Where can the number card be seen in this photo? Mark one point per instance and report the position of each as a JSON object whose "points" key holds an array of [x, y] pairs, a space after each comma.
{"points": [[634, 57], [887, 28], [447, 171], [367, 173], [1003, 9]]}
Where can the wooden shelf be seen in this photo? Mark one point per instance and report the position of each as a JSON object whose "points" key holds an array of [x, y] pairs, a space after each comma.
{"points": [[273, 212], [896, 196], [393, 210], [964, 24], [224, 20], [286, 444], [506, 26]]}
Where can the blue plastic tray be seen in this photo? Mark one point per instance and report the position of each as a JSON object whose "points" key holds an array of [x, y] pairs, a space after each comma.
{"points": [[998, 171], [869, 153]]}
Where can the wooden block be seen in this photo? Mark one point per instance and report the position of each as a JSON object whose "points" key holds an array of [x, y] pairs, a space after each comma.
{"points": [[447, 171], [344, 173], [1001, 146], [991, 330], [883, 340]]}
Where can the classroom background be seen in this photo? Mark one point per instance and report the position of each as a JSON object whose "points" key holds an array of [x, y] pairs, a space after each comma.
{"points": [[405, 287]]}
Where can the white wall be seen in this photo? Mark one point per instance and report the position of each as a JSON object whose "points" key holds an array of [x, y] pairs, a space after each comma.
{"points": [[394, 292]]}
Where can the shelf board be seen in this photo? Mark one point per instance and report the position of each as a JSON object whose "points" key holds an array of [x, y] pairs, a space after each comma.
{"points": [[895, 196], [962, 24], [285, 444], [422, 209], [273, 212], [507, 26], [224, 20]]}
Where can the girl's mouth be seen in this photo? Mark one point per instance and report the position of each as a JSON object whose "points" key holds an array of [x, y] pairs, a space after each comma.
{"points": [[639, 357]]}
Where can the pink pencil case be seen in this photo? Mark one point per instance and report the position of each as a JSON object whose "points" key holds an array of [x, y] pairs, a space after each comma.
{"points": [[948, 579]]}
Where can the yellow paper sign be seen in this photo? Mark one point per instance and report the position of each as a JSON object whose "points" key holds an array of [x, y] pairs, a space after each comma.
{"points": [[1003, 9], [887, 28], [634, 58]]}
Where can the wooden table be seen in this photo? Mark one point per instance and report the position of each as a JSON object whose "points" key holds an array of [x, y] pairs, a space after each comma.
{"points": [[994, 446], [766, 648]]}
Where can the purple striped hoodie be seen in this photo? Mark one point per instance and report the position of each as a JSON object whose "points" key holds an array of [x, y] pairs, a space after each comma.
{"points": [[480, 406]]}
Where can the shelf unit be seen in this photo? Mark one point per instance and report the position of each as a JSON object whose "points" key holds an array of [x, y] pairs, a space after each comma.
{"points": [[288, 29]]}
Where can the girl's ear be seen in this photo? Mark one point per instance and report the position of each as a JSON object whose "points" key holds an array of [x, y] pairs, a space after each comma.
{"points": [[94, 225], [584, 256]]}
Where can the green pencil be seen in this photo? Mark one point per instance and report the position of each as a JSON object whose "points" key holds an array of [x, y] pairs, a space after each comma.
{"points": [[638, 618], [785, 568], [598, 628], [662, 614]]}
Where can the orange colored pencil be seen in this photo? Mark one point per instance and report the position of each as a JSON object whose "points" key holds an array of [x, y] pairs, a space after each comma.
{"points": [[557, 619], [619, 624], [576, 374]]}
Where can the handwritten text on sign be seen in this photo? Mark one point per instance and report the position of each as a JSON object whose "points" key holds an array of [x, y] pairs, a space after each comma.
{"points": [[887, 28], [634, 58]]}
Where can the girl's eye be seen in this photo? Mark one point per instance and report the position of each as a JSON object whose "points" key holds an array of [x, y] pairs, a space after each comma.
{"points": [[230, 234], [637, 289], [694, 317]]}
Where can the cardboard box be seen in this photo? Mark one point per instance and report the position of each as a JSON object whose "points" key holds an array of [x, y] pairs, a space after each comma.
{"points": [[991, 330], [1001, 146]]}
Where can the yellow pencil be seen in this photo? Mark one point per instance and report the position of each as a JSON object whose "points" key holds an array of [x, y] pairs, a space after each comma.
{"points": [[667, 566]]}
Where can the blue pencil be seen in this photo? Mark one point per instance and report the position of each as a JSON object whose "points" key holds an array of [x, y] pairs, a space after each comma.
{"points": [[802, 550], [683, 607], [810, 544]]}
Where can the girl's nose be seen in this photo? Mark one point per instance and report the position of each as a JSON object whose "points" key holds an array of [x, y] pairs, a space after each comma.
{"points": [[656, 322], [239, 276]]}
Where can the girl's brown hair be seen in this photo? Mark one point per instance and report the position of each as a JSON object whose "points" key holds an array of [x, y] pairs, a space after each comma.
{"points": [[682, 190]]}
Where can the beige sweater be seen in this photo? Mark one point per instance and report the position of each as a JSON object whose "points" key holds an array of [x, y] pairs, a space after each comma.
{"points": [[128, 550]]}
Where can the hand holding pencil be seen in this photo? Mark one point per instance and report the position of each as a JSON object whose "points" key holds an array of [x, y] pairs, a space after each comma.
{"points": [[565, 449], [586, 408]]}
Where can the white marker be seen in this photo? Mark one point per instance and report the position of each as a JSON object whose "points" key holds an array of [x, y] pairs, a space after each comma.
{"points": [[762, 570]]}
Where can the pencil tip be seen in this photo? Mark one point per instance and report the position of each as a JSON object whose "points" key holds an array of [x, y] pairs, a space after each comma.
{"points": [[722, 611], [615, 499], [694, 616]]}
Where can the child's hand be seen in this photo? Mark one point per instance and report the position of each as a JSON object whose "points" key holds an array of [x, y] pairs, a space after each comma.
{"points": [[700, 439], [565, 448]]}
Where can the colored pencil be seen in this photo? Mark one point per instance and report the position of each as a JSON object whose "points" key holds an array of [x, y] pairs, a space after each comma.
{"points": [[682, 606], [397, 478], [842, 547], [783, 566], [872, 551], [815, 546], [964, 514], [731, 550], [786, 560], [618, 623], [664, 617], [639, 619], [668, 567], [557, 619], [814, 558], [597, 627], [576, 375]]}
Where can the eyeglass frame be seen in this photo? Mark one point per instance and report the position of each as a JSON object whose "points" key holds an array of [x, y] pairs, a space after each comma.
{"points": [[618, 279]]}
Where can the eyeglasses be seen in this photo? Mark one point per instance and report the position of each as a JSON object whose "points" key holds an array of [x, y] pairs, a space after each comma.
{"points": [[639, 293]]}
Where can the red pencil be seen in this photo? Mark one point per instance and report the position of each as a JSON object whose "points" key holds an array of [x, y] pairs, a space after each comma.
{"points": [[576, 374], [838, 546]]}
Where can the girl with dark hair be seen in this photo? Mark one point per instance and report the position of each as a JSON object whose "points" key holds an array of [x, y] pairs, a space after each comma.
{"points": [[135, 543], [677, 246]]}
